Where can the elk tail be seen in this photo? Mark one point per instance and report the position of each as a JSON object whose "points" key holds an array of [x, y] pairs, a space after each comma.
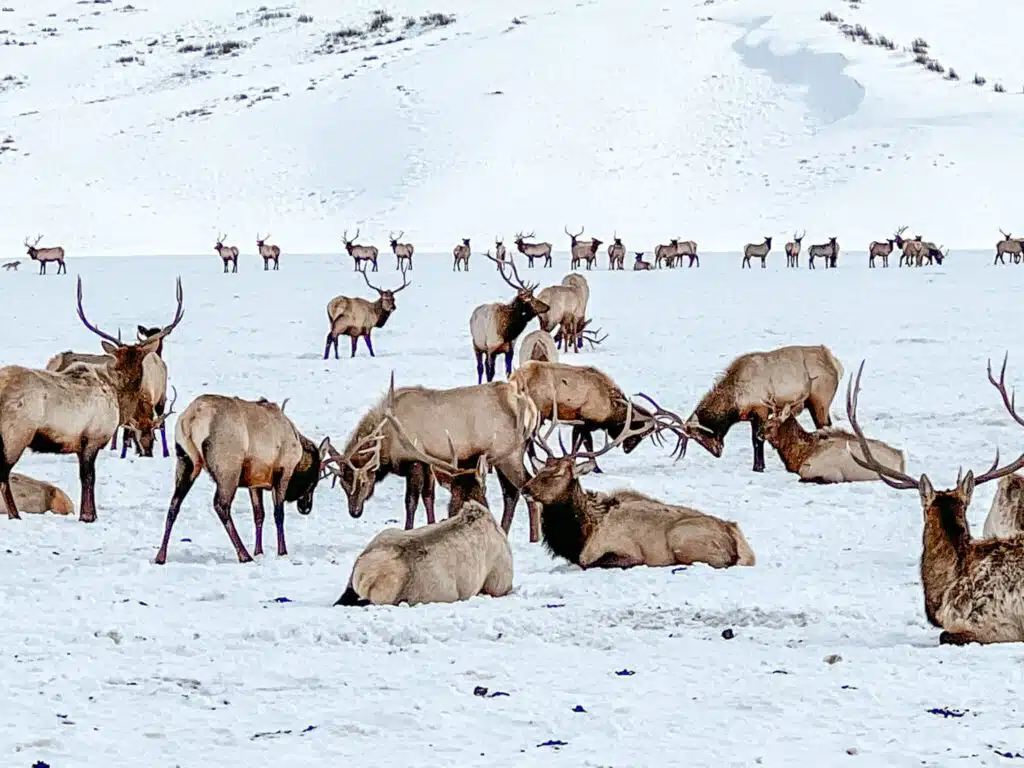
{"points": [[351, 598]]}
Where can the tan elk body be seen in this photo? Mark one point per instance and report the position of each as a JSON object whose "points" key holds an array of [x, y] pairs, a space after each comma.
{"points": [[37, 496], [269, 253], [687, 248], [1009, 246], [616, 253], [356, 317], [45, 255], [666, 252], [403, 252], [757, 251], [461, 255], [227, 253], [533, 250], [639, 264], [361, 254], [538, 345], [793, 249], [1005, 517]]}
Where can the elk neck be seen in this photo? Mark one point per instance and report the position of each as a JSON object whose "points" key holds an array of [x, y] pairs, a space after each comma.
{"points": [[717, 410], [793, 442], [567, 523], [306, 473], [519, 317], [947, 541], [382, 313]]}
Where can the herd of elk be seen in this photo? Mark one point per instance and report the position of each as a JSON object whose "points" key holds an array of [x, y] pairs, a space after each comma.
{"points": [[357, 317], [269, 253], [45, 255]]}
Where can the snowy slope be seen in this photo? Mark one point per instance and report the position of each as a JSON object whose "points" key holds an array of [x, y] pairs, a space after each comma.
{"points": [[720, 121]]}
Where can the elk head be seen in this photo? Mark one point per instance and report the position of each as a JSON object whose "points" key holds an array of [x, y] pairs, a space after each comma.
{"points": [[307, 474], [777, 416], [520, 239], [261, 241], [33, 248], [798, 238], [349, 244], [898, 237], [572, 236], [594, 243], [465, 241], [525, 303], [387, 298], [220, 243], [616, 238], [144, 425], [393, 238], [498, 239]]}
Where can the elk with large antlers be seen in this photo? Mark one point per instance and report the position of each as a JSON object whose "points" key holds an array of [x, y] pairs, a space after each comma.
{"points": [[582, 250], [616, 252], [461, 253], [1011, 246], [910, 250], [533, 250], [757, 250], [1006, 515], [972, 589], [361, 254], [666, 252], [269, 253], [75, 411], [356, 317], [793, 250], [881, 249], [227, 253], [243, 444], [45, 255], [403, 251], [495, 327]]}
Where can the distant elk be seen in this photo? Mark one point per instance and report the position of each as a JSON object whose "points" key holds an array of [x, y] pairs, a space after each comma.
{"points": [[616, 253], [639, 265], [582, 250], [361, 254], [12, 265], [930, 252], [567, 307], [911, 251], [972, 589], [533, 250], [461, 254], [793, 250], [46, 255], [1005, 517], [538, 345], [881, 249], [828, 251], [495, 327], [356, 317], [1014, 247], [666, 253], [228, 253], [687, 248], [75, 411], [403, 251], [269, 253], [499, 248], [757, 250], [243, 444], [36, 497]]}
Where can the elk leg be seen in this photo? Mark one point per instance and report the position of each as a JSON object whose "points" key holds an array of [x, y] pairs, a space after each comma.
{"points": [[256, 497], [279, 490], [184, 476], [113, 441], [327, 347], [126, 437], [490, 366], [163, 439], [508, 361], [222, 506], [87, 476], [413, 490], [5, 489], [479, 366], [755, 428], [354, 340], [429, 496], [510, 497], [369, 344]]}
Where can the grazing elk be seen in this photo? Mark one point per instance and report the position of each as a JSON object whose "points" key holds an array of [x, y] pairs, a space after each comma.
{"points": [[758, 250], [622, 529], [227, 253], [499, 248], [616, 253], [666, 253], [495, 327], [639, 265], [45, 255], [881, 249], [538, 345], [741, 392], [455, 559], [361, 254], [687, 248], [461, 254], [403, 251], [533, 250], [37, 497], [356, 317], [1006, 515], [972, 588], [1009, 245], [243, 444], [12, 265], [269, 253], [75, 411], [793, 250], [828, 251]]}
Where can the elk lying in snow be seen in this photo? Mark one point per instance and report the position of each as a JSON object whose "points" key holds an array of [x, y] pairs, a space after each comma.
{"points": [[227, 253], [538, 345], [269, 253], [687, 248], [443, 562], [582, 250], [623, 528], [757, 250], [881, 249], [616, 253], [356, 317], [1009, 245], [533, 250], [1006, 515], [45, 255], [37, 497], [495, 327], [828, 251], [403, 252], [243, 444], [741, 392], [461, 254], [793, 250], [75, 411], [666, 253], [361, 254], [972, 589], [639, 265], [12, 265]]}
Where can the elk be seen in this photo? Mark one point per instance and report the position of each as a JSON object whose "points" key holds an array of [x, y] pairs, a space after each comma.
{"points": [[582, 250], [538, 345], [928, 251], [666, 253], [455, 559], [270, 253], [403, 251], [1006, 515], [972, 589], [623, 528], [759, 250], [533, 250], [361, 254], [228, 253], [356, 317], [567, 305], [1009, 245], [616, 252], [687, 248], [243, 444], [75, 411], [495, 327], [793, 250], [499, 248], [12, 265], [828, 251], [910, 250], [741, 392], [461, 254], [881, 249], [37, 497], [639, 265], [46, 255]]}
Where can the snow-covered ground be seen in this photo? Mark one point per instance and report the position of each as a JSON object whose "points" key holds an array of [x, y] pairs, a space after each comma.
{"points": [[111, 660]]}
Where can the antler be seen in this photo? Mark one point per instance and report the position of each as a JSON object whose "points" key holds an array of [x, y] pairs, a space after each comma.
{"points": [[570, 234], [890, 476], [345, 237], [90, 326], [451, 468], [675, 425], [1009, 400], [178, 314], [170, 409], [627, 432], [363, 273], [518, 284], [405, 282]]}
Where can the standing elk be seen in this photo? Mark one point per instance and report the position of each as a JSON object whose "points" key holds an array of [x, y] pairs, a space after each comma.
{"points": [[403, 251], [461, 254], [639, 265], [828, 251], [46, 255], [227, 253], [75, 411], [758, 250], [687, 248], [582, 250], [356, 317], [567, 305], [361, 254], [910, 250], [881, 249], [36, 497], [538, 345], [533, 250], [616, 253], [741, 392], [1009, 245], [495, 327], [499, 248], [243, 444], [269, 253], [666, 253], [972, 589], [793, 250], [1006, 515], [12, 265]]}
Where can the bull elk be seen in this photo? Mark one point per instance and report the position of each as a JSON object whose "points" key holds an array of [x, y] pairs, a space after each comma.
{"points": [[361, 254], [881, 249], [461, 254], [911, 251], [757, 250], [45, 255], [269, 253], [972, 589], [495, 327], [356, 317], [37, 497], [687, 248], [533, 250], [1005, 517], [828, 251], [75, 411], [666, 253], [1014, 247], [403, 251], [12, 265], [499, 248], [616, 252], [227, 253], [793, 250], [538, 345], [582, 250], [639, 264], [243, 444]]}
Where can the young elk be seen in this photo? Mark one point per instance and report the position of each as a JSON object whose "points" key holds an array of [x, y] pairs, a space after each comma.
{"points": [[881, 249], [461, 254], [1009, 245], [758, 250], [1006, 515], [666, 253], [403, 252], [793, 250], [227, 253], [356, 317], [623, 528], [828, 251], [616, 252], [687, 248], [75, 411], [533, 250], [269, 253], [972, 589], [495, 327], [46, 255], [361, 254], [37, 497], [639, 265], [538, 345], [243, 444]]}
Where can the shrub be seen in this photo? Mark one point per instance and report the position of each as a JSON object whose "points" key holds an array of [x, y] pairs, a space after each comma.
{"points": [[189, 48], [922, 59], [920, 45], [266, 15], [305, 18], [934, 66], [998, 88], [343, 34], [379, 20], [830, 17], [952, 75], [437, 19], [126, 60], [979, 80], [885, 42], [224, 48]]}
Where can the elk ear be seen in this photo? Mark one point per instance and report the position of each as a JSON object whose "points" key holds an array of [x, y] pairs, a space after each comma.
{"points": [[578, 470], [149, 346], [928, 492], [965, 489], [109, 348]]}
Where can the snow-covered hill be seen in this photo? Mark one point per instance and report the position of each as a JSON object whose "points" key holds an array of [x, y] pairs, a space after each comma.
{"points": [[145, 127]]}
